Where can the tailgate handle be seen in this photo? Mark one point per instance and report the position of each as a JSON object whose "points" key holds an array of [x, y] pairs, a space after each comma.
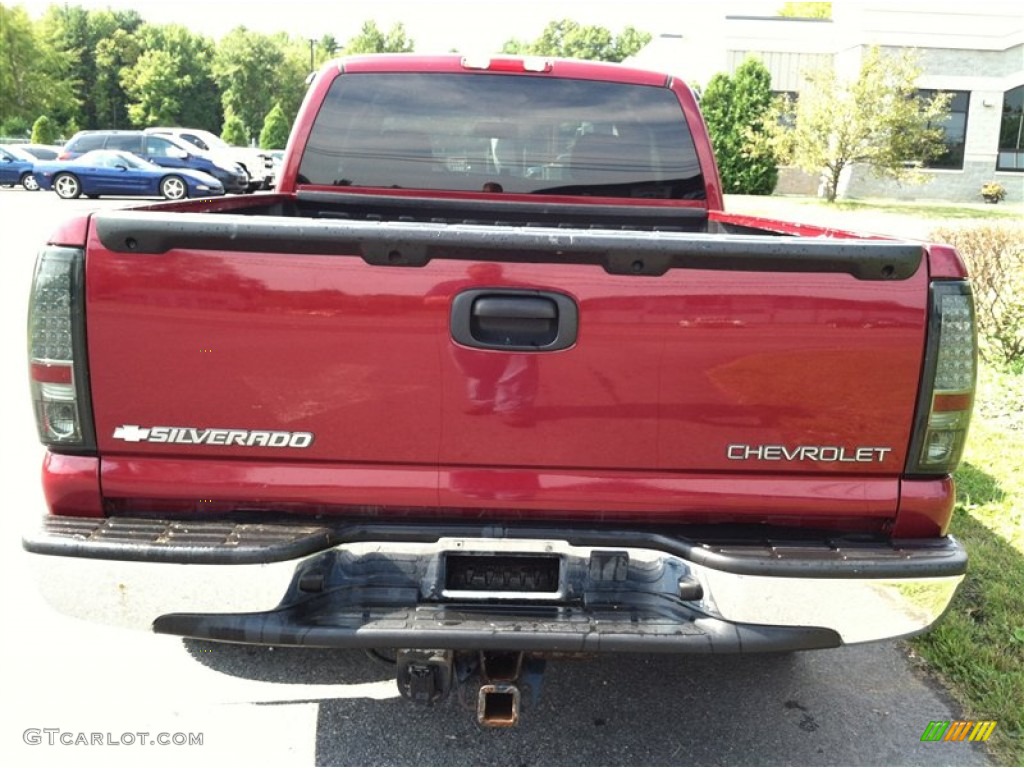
{"points": [[515, 308], [514, 320]]}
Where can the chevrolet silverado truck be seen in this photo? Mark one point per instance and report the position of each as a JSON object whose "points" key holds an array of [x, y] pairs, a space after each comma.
{"points": [[493, 376]]}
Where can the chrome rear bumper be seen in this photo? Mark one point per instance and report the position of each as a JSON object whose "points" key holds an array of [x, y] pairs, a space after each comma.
{"points": [[392, 585]]}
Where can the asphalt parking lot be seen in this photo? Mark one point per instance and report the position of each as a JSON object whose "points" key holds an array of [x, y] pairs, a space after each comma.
{"points": [[863, 705]]}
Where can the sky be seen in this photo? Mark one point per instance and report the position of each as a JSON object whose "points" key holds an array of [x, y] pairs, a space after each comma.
{"points": [[471, 26]]}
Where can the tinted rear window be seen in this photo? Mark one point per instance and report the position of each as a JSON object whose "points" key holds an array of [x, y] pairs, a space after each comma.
{"points": [[86, 143], [500, 133], [41, 153], [129, 143]]}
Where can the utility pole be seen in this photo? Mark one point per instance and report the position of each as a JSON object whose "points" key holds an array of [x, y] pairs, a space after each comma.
{"points": [[312, 45]]}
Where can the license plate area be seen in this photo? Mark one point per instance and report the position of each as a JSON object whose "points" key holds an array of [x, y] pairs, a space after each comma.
{"points": [[477, 576]]}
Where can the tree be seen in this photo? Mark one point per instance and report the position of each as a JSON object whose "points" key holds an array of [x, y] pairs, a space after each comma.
{"points": [[115, 46], [877, 119], [326, 47], [114, 54], [290, 84], [276, 128], [738, 111], [234, 132], [44, 131], [15, 125], [371, 40], [569, 39], [153, 87], [247, 67], [806, 10], [629, 42], [30, 84], [171, 81], [89, 50], [66, 34]]}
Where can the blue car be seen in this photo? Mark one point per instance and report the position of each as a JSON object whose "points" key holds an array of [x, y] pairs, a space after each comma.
{"points": [[165, 151], [16, 167], [109, 172]]}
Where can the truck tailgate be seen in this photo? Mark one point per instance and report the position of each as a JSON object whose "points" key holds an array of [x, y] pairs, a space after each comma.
{"points": [[672, 384]]}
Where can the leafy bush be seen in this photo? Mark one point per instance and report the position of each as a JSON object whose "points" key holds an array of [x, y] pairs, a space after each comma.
{"points": [[276, 128], [737, 110], [44, 131], [15, 126], [995, 258], [234, 132]]}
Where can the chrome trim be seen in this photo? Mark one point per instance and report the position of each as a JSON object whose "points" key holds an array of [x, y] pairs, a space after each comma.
{"points": [[134, 593]]}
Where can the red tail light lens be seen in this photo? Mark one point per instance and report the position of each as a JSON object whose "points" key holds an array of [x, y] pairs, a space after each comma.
{"points": [[56, 349], [950, 372]]}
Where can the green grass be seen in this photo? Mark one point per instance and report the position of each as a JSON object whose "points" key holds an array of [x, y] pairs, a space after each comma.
{"points": [[978, 646], [924, 209]]}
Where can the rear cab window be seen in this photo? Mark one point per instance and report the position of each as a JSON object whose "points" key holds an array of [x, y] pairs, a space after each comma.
{"points": [[496, 133]]}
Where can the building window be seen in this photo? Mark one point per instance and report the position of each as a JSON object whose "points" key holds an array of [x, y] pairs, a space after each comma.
{"points": [[1011, 132], [954, 129]]}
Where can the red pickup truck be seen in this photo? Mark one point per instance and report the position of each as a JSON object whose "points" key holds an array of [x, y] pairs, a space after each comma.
{"points": [[492, 376]]}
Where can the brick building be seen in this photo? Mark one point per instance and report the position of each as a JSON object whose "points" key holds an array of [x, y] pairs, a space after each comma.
{"points": [[975, 51]]}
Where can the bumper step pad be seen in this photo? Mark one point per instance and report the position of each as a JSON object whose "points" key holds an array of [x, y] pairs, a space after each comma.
{"points": [[562, 630]]}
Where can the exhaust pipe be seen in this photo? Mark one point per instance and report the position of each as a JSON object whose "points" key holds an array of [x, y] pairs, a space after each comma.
{"points": [[498, 705]]}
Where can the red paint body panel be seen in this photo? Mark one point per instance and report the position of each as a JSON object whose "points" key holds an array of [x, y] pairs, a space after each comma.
{"points": [[71, 485], [361, 490], [701, 140], [566, 68], [71, 233], [250, 484], [665, 375], [788, 227], [926, 508], [945, 263]]}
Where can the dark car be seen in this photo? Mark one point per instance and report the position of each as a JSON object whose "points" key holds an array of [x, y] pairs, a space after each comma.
{"points": [[165, 151], [16, 168], [41, 151], [256, 162], [108, 172]]}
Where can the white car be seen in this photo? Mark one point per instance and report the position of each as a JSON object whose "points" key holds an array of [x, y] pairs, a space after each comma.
{"points": [[257, 162]]}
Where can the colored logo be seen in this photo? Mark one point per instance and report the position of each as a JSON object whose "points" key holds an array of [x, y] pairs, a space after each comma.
{"points": [[958, 730]]}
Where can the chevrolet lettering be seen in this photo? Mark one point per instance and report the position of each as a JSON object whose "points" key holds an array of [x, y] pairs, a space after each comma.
{"points": [[864, 455]]}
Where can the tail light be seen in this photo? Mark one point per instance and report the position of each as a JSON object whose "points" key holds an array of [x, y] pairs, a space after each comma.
{"points": [[947, 389], [506, 64], [56, 349]]}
